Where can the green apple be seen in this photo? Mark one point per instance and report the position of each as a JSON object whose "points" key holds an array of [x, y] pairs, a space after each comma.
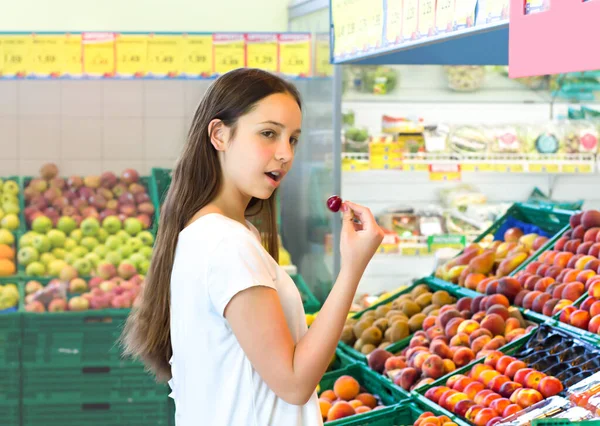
{"points": [[136, 259], [59, 253], [6, 237], [27, 255], [11, 207], [133, 226], [135, 243], [90, 226], [35, 269], [80, 251], [41, 224], [10, 187], [83, 266], [125, 251], [113, 257], [55, 267], [41, 243], [11, 222], [70, 258], [57, 238], [9, 199], [113, 242], [146, 252], [66, 224], [102, 235], [89, 243], [112, 224], [93, 258], [1, 214], [70, 244], [143, 267], [46, 258], [76, 235], [101, 250], [146, 237], [123, 235], [27, 239]]}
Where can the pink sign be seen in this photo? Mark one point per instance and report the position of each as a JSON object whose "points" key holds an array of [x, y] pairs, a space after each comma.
{"points": [[560, 39]]}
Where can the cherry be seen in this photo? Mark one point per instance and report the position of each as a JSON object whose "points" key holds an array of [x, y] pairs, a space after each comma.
{"points": [[334, 203]]}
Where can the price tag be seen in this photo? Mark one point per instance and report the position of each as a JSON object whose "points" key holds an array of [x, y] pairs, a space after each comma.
{"points": [[197, 55], [444, 172], [164, 55], [577, 168], [464, 14], [262, 51], [323, 67], [340, 17], [99, 54], [444, 16], [229, 52], [410, 19], [543, 168], [16, 53], [393, 29], [295, 55], [72, 65], [132, 53], [426, 18], [374, 30], [496, 10], [436, 242], [47, 55]]}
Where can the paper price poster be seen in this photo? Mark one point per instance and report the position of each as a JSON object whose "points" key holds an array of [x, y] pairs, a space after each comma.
{"points": [[323, 67], [197, 55], [72, 65], [361, 13], [339, 17], [393, 22], [164, 55], [131, 51], [496, 10], [98, 54], [464, 14], [410, 19], [444, 16], [229, 52], [262, 51], [426, 18], [295, 55], [15, 55], [536, 6], [47, 55], [374, 31]]}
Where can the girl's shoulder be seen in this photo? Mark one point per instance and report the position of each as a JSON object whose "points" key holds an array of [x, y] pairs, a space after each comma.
{"points": [[219, 228]]}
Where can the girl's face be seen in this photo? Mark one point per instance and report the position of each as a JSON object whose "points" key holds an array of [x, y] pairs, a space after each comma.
{"points": [[261, 152]]}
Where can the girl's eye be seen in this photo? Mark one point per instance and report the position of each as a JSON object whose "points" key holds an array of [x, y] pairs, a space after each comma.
{"points": [[269, 134], [294, 141]]}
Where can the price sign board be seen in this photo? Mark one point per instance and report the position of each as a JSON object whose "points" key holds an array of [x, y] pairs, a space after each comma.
{"points": [[295, 55], [131, 55], [15, 55], [164, 55], [197, 55], [98, 54], [47, 55], [393, 22], [262, 51], [72, 65], [229, 52]]}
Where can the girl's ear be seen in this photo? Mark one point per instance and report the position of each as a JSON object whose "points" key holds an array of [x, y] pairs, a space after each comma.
{"points": [[217, 133]]}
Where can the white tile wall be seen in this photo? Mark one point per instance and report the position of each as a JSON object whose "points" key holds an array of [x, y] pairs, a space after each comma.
{"points": [[91, 126]]}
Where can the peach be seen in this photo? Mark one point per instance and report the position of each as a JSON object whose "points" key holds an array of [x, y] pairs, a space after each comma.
{"points": [[468, 326], [463, 356], [562, 258], [573, 291], [594, 249], [428, 322], [531, 281], [473, 389], [435, 393], [478, 369], [478, 317], [563, 274], [591, 282], [509, 287], [481, 396], [486, 377], [513, 367], [588, 273], [594, 325], [528, 299], [478, 333], [592, 265], [406, 377], [329, 395], [533, 378], [473, 279], [539, 302], [562, 304], [464, 304], [583, 261], [475, 304], [543, 284], [453, 380], [520, 296], [484, 417], [482, 285], [433, 367], [565, 315], [580, 319], [493, 358], [444, 398], [590, 219], [522, 277], [511, 324], [550, 386], [362, 409], [546, 258], [512, 235], [503, 363], [586, 305], [487, 401], [549, 306], [561, 243], [574, 260], [500, 310], [575, 220], [479, 343], [553, 271], [594, 289], [494, 323], [528, 397], [491, 287], [395, 363], [539, 242], [346, 387], [418, 341], [558, 290], [510, 410], [515, 334], [449, 366], [454, 399], [451, 328], [355, 403], [461, 339], [419, 359], [495, 344], [595, 308], [472, 413], [445, 317], [377, 360], [463, 406], [500, 404], [496, 299], [521, 375], [339, 410], [441, 349], [508, 388], [461, 384], [585, 246], [533, 266]]}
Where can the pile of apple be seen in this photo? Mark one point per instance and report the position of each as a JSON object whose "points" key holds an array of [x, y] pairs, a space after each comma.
{"points": [[9, 205], [499, 259], [9, 297], [45, 251], [90, 196], [495, 389], [114, 289], [346, 399], [455, 337]]}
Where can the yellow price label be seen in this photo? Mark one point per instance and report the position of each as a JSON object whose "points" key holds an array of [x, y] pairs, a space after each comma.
{"points": [[72, 64], [47, 55], [426, 17], [131, 53], [323, 67], [262, 51], [295, 54], [229, 51], [164, 55], [444, 176], [99, 54], [477, 167], [416, 167], [509, 168], [444, 15], [544, 168], [198, 55], [374, 28], [577, 168], [410, 19], [393, 31], [15, 52]]}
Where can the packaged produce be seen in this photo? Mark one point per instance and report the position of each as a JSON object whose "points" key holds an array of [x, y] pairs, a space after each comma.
{"points": [[469, 140], [356, 140], [379, 80], [436, 138], [582, 393], [579, 137], [411, 142], [461, 195], [465, 78], [548, 408], [506, 139], [396, 125]]}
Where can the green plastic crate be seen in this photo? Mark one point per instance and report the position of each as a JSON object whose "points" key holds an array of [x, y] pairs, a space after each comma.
{"points": [[342, 360], [372, 383], [159, 184], [45, 385], [10, 330], [537, 197], [11, 411], [100, 413], [310, 302], [433, 284]]}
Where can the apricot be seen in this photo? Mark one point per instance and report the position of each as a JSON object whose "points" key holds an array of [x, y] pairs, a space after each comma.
{"points": [[329, 395], [362, 409], [325, 406], [339, 410], [346, 388], [367, 399]]}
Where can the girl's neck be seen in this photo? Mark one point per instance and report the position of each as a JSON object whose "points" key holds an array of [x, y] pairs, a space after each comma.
{"points": [[230, 203]]}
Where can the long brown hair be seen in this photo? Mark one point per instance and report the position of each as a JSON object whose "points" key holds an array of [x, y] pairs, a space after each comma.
{"points": [[196, 181]]}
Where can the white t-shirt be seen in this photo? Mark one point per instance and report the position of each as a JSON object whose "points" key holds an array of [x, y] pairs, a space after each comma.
{"points": [[213, 381]]}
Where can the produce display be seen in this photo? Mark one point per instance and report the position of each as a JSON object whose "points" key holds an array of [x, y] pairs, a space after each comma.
{"points": [[9, 207], [9, 297], [428, 418], [347, 398]]}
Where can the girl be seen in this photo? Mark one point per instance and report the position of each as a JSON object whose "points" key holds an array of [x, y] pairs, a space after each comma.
{"points": [[218, 316]]}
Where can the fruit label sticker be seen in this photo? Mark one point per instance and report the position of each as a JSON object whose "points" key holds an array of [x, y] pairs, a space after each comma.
{"points": [[98, 54], [464, 14], [47, 55], [426, 18], [262, 51], [229, 52], [323, 67], [15, 55], [444, 16], [295, 55], [197, 53], [131, 53], [164, 55], [72, 65], [393, 21], [410, 19]]}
